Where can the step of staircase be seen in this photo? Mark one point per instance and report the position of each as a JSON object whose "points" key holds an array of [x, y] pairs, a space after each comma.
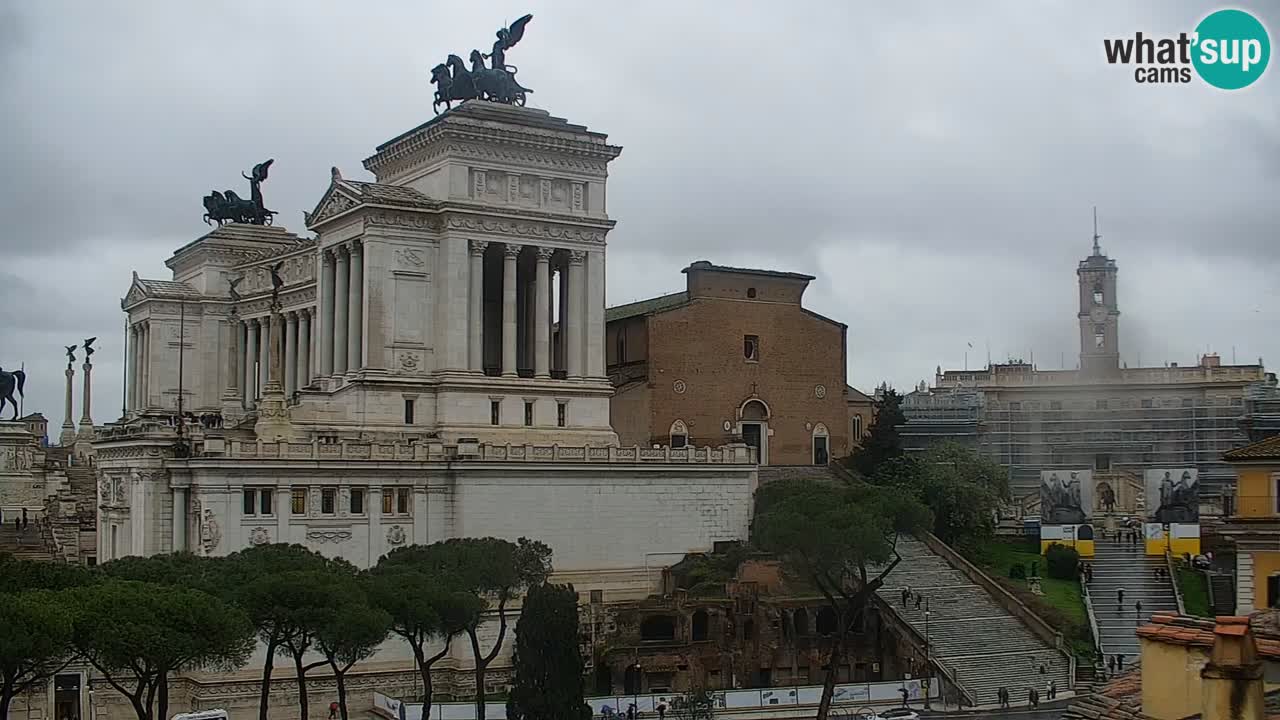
{"points": [[968, 631], [1118, 566]]}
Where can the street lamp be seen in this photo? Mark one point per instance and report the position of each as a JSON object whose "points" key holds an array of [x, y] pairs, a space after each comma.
{"points": [[928, 669]]}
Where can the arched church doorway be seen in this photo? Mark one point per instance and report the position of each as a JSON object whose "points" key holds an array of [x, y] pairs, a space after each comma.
{"points": [[754, 420]]}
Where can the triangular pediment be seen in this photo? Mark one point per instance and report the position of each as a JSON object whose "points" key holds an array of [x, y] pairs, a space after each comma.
{"points": [[137, 292], [336, 200]]}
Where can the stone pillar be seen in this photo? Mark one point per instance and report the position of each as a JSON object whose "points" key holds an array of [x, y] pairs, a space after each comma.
{"points": [[131, 381], [419, 513], [593, 312], [68, 426], [144, 368], [509, 254], [576, 315], [250, 362], [180, 519], [342, 284], [86, 419], [303, 371], [231, 392], [275, 353], [475, 312], [373, 506], [290, 353], [355, 312], [327, 280], [562, 338], [264, 354], [284, 510], [542, 315]]}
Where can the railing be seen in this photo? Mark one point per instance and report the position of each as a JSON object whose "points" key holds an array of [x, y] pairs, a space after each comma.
{"points": [[438, 451], [1173, 578], [1093, 619]]}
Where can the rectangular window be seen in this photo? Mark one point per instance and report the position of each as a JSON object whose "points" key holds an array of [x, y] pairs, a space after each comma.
{"points": [[266, 501], [402, 501], [1055, 404], [495, 412], [560, 413], [751, 347], [528, 413], [1187, 402], [357, 501], [679, 441], [388, 497], [328, 500], [249, 506], [1101, 404], [298, 501], [1146, 402], [1276, 497], [1015, 405], [408, 411]]}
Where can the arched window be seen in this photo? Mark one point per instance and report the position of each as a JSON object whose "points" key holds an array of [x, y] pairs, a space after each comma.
{"points": [[800, 618], [679, 434], [658, 627], [855, 430], [698, 632], [1099, 336], [755, 410], [826, 623], [1097, 295], [821, 445]]}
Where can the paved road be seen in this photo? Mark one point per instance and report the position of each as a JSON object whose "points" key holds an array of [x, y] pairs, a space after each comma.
{"points": [[1043, 713]]}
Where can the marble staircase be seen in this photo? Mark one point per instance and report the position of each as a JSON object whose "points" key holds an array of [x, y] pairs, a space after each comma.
{"points": [[968, 632], [1122, 565]]}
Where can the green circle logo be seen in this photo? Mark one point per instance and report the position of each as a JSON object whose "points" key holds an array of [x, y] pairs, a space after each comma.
{"points": [[1231, 49]]}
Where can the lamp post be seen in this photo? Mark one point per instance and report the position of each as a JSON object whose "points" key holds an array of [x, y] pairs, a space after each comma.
{"points": [[928, 668]]}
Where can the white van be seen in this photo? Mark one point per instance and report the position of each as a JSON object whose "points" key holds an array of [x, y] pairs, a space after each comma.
{"points": [[202, 715]]}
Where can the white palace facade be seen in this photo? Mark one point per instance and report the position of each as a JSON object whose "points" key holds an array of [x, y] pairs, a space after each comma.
{"points": [[429, 365]]}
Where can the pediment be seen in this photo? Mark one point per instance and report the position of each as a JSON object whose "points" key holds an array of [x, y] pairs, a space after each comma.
{"points": [[336, 200], [137, 293]]}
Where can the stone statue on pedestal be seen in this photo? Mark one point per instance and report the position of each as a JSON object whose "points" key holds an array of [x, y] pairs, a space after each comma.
{"points": [[454, 82], [9, 382], [229, 207]]}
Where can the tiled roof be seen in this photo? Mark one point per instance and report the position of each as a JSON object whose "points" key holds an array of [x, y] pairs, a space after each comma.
{"points": [[168, 288], [1198, 632], [1268, 449], [708, 265], [391, 194], [644, 307], [856, 394], [1119, 699]]}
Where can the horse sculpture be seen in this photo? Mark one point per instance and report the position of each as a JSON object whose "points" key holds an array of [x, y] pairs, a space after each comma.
{"points": [[10, 381], [230, 207], [454, 82]]}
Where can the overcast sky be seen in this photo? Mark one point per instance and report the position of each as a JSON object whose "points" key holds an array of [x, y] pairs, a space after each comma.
{"points": [[933, 164]]}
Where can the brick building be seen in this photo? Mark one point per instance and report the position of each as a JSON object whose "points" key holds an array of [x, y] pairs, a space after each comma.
{"points": [[735, 355]]}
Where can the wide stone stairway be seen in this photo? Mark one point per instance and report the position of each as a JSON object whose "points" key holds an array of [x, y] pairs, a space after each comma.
{"points": [[1119, 565], [970, 634], [32, 547]]}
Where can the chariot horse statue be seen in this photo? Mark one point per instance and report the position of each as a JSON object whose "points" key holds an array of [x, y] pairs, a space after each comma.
{"points": [[9, 382], [497, 83]]}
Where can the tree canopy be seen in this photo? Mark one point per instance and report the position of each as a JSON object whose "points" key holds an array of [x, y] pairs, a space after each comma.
{"points": [[547, 659], [35, 641], [882, 441]]}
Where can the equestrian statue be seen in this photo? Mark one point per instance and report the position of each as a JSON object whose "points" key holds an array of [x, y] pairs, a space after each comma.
{"points": [[497, 83], [9, 382], [228, 207]]}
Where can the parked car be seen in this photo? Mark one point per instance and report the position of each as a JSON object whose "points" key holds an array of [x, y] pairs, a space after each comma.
{"points": [[899, 714]]}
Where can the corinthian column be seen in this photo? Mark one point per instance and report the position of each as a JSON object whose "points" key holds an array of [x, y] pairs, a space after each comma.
{"points": [[342, 280], [509, 254], [355, 314], [577, 314], [264, 354], [303, 371], [327, 280], [232, 391], [475, 309], [250, 358], [132, 392], [291, 353], [542, 315]]}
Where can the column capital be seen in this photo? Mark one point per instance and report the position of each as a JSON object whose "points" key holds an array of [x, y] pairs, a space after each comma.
{"points": [[577, 257], [478, 247], [511, 249], [545, 253], [353, 246], [291, 315], [327, 256]]}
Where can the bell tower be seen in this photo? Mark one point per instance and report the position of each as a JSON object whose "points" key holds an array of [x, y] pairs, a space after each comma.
{"points": [[1099, 314]]}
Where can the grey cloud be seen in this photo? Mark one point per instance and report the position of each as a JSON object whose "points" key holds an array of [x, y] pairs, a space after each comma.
{"points": [[933, 164]]}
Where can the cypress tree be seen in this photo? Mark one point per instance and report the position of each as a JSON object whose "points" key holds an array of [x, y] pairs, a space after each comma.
{"points": [[547, 659]]}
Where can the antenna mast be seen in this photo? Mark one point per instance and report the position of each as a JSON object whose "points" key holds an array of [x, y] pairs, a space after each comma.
{"points": [[1096, 237]]}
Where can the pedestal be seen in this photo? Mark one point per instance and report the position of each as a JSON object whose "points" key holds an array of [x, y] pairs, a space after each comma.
{"points": [[273, 413]]}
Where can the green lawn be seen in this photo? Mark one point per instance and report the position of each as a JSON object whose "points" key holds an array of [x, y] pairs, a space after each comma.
{"points": [[1195, 591], [1061, 605]]}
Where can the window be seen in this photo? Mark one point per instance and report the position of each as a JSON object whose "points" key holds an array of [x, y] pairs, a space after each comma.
{"points": [[408, 411], [328, 500], [1099, 336], [620, 346], [751, 292], [679, 434], [495, 412], [266, 501], [1146, 402], [1237, 402], [1187, 402], [528, 413], [698, 630], [250, 502], [298, 501], [855, 429], [357, 501], [821, 445], [597, 597], [402, 501], [751, 347], [1015, 405], [1055, 404], [1101, 462], [1097, 294], [1276, 497], [560, 414], [1100, 404], [388, 498]]}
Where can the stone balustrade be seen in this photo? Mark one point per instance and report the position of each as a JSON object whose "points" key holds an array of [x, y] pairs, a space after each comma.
{"points": [[438, 451]]}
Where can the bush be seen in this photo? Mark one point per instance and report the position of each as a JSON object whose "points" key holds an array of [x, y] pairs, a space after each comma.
{"points": [[1061, 562], [1017, 571]]}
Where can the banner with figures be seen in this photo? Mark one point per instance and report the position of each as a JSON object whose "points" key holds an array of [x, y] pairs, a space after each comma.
{"points": [[1172, 517]]}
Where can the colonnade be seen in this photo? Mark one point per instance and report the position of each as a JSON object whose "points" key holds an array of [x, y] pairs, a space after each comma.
{"points": [[138, 382], [254, 346]]}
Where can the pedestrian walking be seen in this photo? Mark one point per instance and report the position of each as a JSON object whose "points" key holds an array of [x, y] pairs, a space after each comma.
{"points": [[919, 597], [25, 522], [906, 596], [1033, 696], [1053, 689], [1120, 598], [333, 710], [1120, 661], [1137, 609], [631, 711], [662, 711], [1111, 663]]}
